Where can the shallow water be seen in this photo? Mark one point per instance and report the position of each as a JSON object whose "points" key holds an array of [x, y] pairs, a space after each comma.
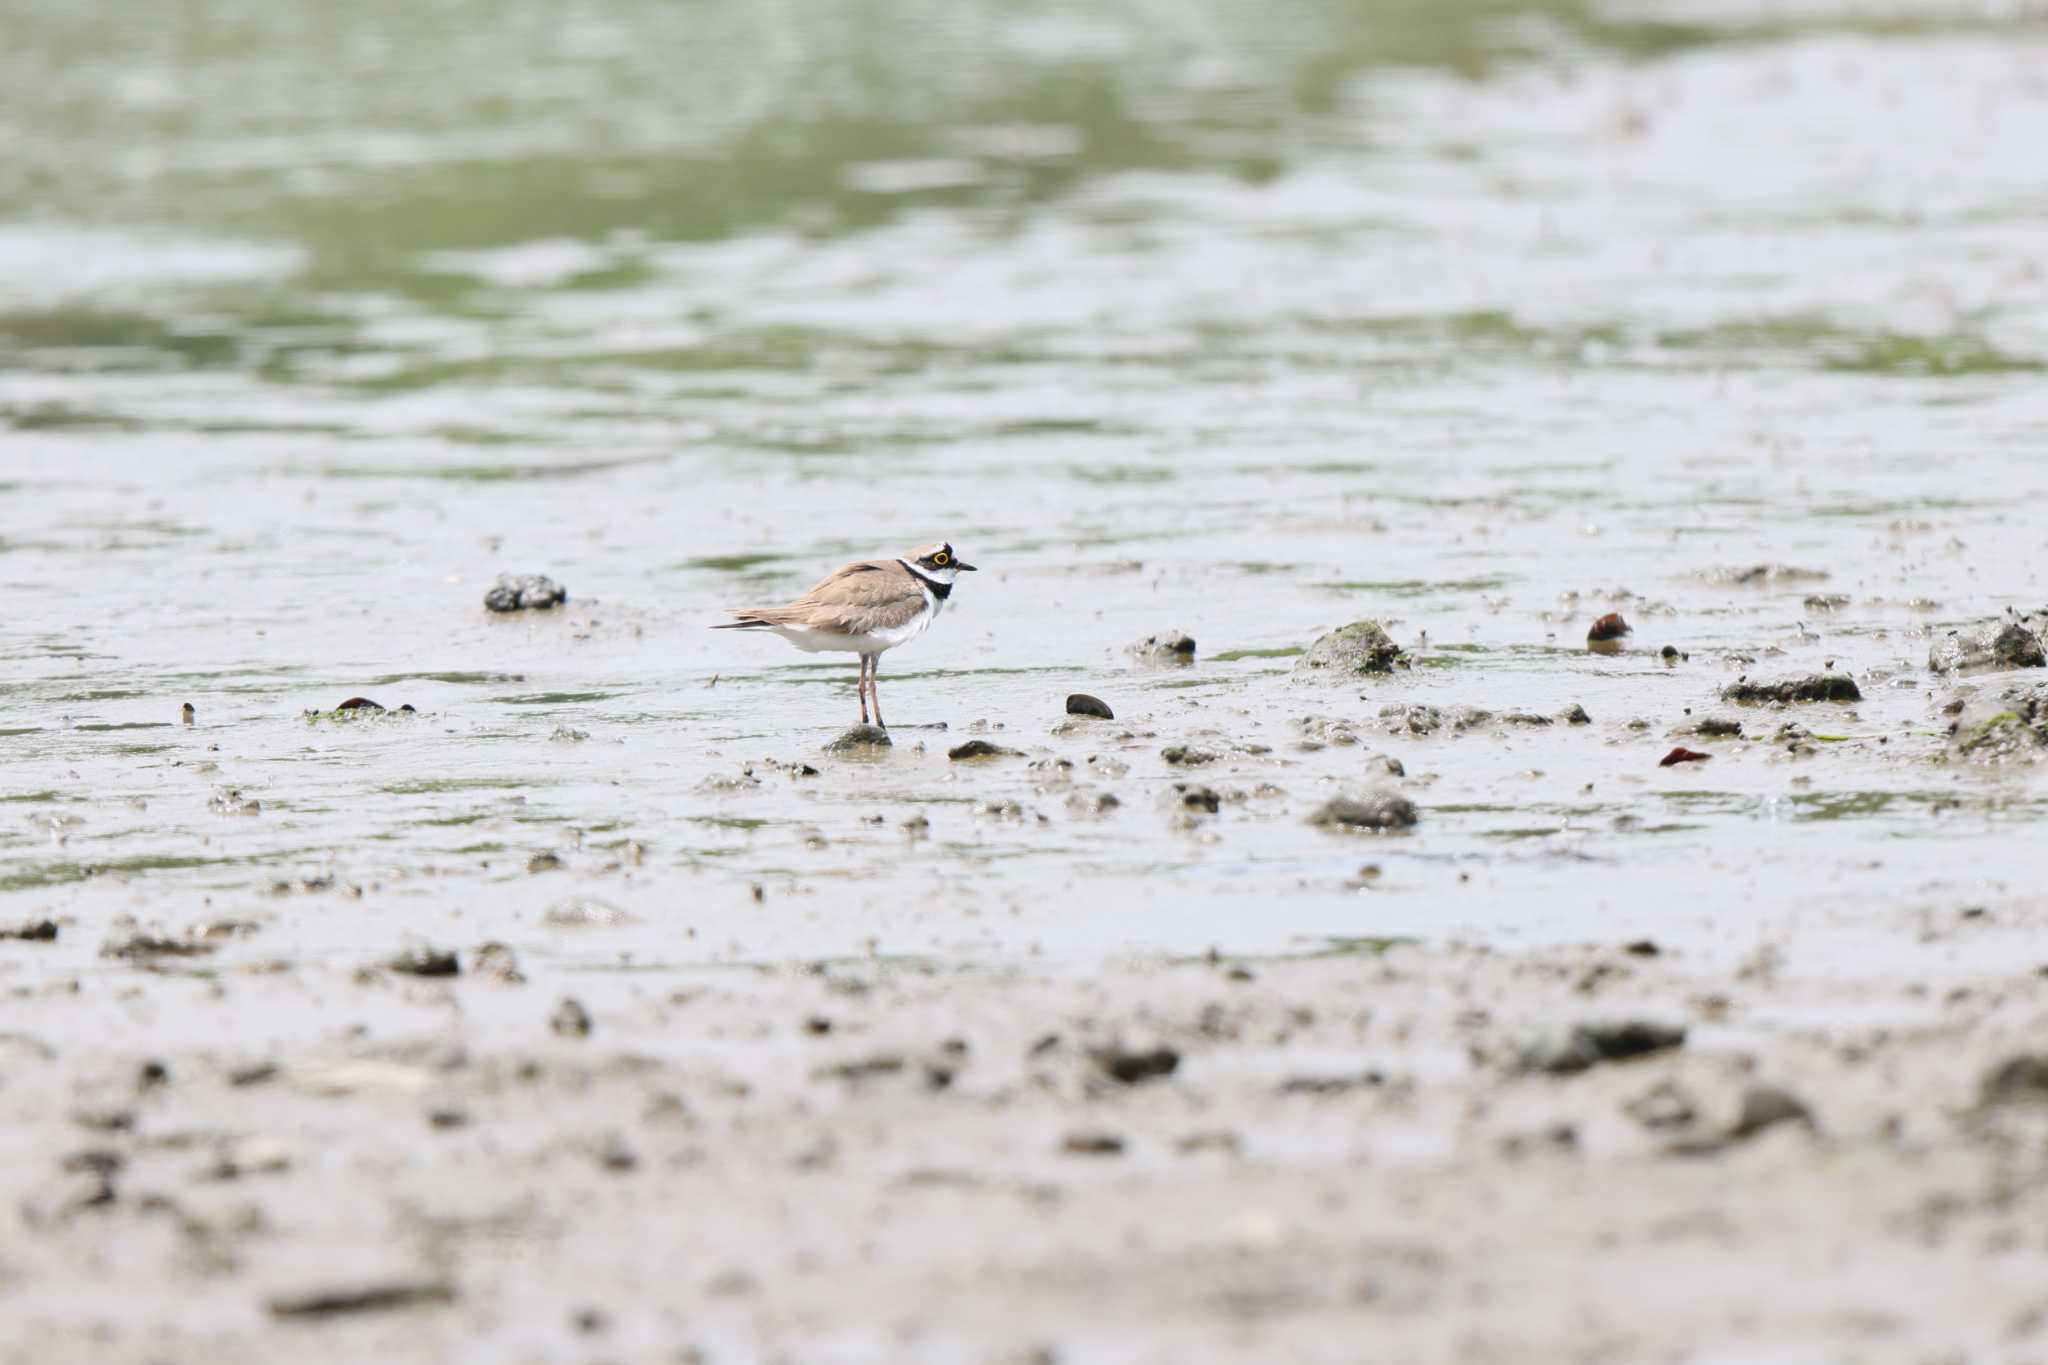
{"points": [[1478, 319]]}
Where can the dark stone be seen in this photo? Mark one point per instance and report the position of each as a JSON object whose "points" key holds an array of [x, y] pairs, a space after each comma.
{"points": [[1130, 1066], [859, 739], [1378, 810], [1837, 687], [144, 947], [1718, 727], [978, 748], [2021, 1079], [525, 592], [1355, 650], [1766, 1106], [33, 931], [1609, 627], [1081, 704], [1664, 1105], [1195, 797], [570, 1019], [1577, 716], [1092, 1144], [425, 962], [1588, 1045], [369, 1297]]}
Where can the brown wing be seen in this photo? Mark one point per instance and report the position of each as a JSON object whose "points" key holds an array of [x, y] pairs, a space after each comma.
{"points": [[873, 594]]}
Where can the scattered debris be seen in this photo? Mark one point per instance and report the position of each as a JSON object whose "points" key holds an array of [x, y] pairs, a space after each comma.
{"points": [[1181, 756]]}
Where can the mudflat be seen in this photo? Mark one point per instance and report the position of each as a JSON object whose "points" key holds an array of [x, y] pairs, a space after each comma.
{"points": [[1413, 964]]}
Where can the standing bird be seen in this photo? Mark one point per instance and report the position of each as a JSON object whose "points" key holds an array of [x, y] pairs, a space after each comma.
{"points": [[864, 608]]}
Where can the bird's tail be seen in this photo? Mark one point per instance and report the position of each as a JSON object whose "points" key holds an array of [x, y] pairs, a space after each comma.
{"points": [[747, 623]]}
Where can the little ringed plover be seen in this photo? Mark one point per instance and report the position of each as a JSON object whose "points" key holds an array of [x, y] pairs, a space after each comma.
{"points": [[864, 608]]}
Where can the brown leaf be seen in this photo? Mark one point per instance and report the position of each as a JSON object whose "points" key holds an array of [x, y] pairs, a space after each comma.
{"points": [[1682, 755]]}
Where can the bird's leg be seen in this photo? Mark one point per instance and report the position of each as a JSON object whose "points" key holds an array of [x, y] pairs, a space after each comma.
{"points": [[864, 661], [874, 687]]}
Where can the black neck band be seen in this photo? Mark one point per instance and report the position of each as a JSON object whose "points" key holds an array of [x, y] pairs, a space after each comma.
{"points": [[939, 590]]}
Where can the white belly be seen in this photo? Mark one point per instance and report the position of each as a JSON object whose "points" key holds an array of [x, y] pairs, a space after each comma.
{"points": [[824, 641]]}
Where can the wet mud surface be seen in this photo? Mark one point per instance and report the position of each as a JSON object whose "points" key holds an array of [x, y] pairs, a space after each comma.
{"points": [[586, 995]]}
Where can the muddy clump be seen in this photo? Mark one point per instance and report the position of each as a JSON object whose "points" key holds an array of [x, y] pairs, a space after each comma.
{"points": [[860, 739], [2010, 728], [1753, 575], [1168, 647], [975, 749], [1357, 650], [525, 592], [1374, 811], [1129, 1066], [1420, 719], [361, 708], [1986, 649], [2021, 1079], [1834, 687], [1585, 1046], [424, 962]]}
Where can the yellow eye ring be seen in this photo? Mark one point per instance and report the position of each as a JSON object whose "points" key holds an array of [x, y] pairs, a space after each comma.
{"points": [[941, 558]]}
